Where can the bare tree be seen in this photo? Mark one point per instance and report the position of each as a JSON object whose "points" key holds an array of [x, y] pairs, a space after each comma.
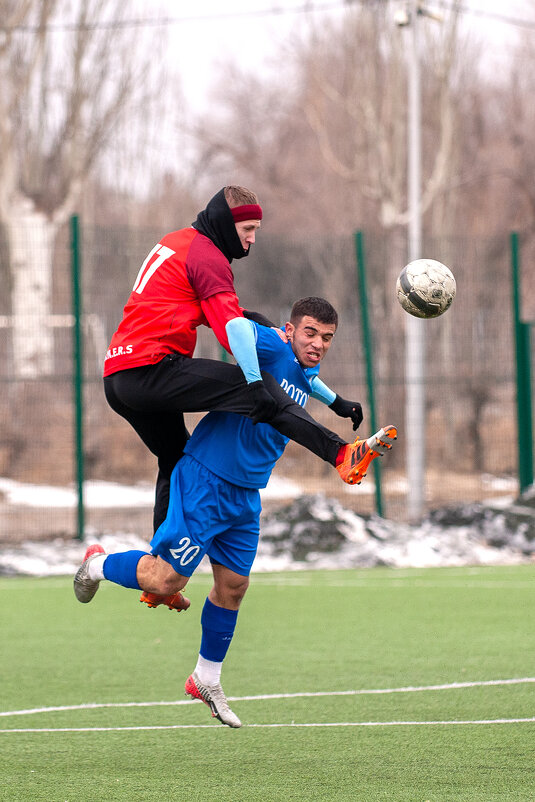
{"points": [[356, 103], [70, 74], [328, 136]]}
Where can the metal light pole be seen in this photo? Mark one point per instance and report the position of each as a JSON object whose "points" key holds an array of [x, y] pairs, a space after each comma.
{"points": [[415, 417]]}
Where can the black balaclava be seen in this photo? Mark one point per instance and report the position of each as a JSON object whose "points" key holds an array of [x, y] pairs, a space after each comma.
{"points": [[216, 223]]}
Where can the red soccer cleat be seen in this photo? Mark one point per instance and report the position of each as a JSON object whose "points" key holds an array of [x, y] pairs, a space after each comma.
{"points": [[176, 601]]}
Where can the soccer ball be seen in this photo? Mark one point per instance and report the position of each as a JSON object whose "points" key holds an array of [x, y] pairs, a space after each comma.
{"points": [[425, 288]]}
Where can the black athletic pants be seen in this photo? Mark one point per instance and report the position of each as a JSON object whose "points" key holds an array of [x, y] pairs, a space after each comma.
{"points": [[152, 398]]}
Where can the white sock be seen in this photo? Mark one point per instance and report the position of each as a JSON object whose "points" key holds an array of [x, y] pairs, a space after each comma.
{"points": [[95, 569], [209, 673]]}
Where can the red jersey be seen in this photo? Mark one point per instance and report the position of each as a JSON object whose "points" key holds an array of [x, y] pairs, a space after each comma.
{"points": [[177, 289]]}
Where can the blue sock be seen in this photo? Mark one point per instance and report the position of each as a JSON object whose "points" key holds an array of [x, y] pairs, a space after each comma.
{"points": [[121, 568], [218, 625]]}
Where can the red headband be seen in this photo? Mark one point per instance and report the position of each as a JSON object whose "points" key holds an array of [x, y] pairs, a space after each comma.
{"points": [[250, 212]]}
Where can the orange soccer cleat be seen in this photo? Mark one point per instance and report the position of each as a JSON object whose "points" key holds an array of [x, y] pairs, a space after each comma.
{"points": [[359, 454], [176, 601]]}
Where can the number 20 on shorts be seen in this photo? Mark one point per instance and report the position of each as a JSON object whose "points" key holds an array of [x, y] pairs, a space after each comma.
{"points": [[185, 552]]}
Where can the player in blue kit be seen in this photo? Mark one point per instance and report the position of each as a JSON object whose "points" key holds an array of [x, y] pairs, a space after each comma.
{"points": [[214, 506]]}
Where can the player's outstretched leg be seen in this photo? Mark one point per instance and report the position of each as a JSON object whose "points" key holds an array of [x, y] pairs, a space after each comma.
{"points": [[176, 601], [84, 586], [214, 697], [359, 454]]}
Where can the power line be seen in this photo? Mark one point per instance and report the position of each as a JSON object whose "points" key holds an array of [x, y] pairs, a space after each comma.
{"points": [[506, 19], [305, 8]]}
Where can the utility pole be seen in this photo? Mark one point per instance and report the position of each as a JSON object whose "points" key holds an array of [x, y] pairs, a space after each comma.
{"points": [[415, 351], [414, 332], [407, 16]]}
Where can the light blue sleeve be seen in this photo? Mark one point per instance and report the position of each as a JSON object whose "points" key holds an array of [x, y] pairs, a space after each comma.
{"points": [[241, 334], [321, 392]]}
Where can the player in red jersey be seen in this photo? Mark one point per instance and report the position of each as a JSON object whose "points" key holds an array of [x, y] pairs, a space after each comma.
{"points": [[150, 377]]}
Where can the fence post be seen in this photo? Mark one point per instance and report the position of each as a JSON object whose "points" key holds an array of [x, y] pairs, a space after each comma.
{"points": [[77, 374], [523, 376], [368, 356]]}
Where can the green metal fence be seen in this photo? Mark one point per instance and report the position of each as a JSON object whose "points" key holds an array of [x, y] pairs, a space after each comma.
{"points": [[59, 446], [522, 331]]}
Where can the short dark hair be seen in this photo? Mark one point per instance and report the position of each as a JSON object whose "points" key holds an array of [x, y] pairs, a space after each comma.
{"points": [[318, 308]]}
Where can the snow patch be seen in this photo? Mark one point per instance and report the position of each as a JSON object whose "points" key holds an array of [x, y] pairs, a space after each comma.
{"points": [[311, 531], [106, 495]]}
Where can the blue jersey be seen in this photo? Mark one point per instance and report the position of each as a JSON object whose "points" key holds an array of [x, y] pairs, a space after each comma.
{"points": [[230, 445]]}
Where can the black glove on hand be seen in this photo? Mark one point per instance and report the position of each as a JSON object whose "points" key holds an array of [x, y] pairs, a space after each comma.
{"points": [[348, 409], [264, 405]]}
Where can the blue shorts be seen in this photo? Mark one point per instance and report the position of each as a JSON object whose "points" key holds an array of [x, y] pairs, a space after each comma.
{"points": [[207, 515]]}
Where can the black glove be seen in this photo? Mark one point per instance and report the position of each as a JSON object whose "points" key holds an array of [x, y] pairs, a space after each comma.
{"points": [[264, 405], [348, 409]]}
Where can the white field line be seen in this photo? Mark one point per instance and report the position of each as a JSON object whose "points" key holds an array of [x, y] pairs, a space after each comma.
{"points": [[393, 583], [399, 579], [272, 696], [311, 575], [397, 583], [275, 726]]}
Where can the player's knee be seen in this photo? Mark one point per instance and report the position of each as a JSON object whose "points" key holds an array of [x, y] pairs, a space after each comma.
{"points": [[236, 591], [272, 385], [160, 577], [281, 396], [171, 582]]}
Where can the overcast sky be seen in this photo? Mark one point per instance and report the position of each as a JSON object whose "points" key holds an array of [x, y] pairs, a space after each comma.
{"points": [[209, 33], [198, 38]]}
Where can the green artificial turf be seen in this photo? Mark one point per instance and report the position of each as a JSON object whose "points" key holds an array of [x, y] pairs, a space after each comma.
{"points": [[363, 645]]}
